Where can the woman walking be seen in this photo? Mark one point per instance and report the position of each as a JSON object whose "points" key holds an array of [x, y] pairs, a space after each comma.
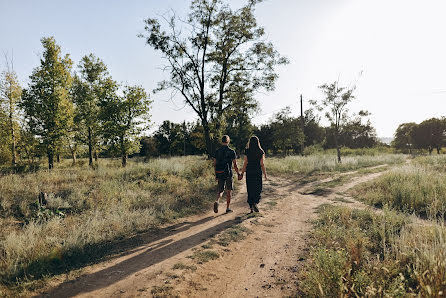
{"points": [[254, 167]]}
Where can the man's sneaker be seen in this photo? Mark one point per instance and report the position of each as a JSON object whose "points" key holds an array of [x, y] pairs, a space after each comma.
{"points": [[228, 210], [255, 208], [216, 207]]}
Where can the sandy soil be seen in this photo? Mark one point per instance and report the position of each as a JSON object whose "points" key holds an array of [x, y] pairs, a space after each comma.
{"points": [[263, 264]]}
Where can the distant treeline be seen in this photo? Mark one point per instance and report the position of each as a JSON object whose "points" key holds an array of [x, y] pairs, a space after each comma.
{"points": [[282, 135], [428, 135]]}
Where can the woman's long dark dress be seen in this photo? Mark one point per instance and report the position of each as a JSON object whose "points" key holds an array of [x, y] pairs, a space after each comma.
{"points": [[254, 176]]}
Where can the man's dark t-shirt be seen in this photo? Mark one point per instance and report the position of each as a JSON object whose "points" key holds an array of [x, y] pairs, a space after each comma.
{"points": [[224, 157]]}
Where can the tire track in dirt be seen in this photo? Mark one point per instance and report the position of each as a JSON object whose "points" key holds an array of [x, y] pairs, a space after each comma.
{"points": [[266, 263]]}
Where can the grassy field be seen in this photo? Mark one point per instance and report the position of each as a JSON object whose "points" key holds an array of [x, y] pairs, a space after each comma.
{"points": [[419, 187], [357, 253], [89, 209], [327, 163], [392, 253]]}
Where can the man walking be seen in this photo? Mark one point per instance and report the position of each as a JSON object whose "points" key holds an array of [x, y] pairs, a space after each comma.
{"points": [[224, 158]]}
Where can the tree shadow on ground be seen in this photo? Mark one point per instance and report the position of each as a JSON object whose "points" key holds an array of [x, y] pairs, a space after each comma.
{"points": [[146, 257]]}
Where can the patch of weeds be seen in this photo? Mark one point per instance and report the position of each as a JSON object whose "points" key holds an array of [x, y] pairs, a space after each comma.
{"points": [[184, 266], [233, 234], [162, 291], [207, 246], [172, 275], [358, 253], [322, 207], [203, 256], [271, 203]]}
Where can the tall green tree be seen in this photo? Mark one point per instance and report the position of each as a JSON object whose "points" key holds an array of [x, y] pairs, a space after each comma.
{"points": [[123, 117], [335, 107], [10, 95], [214, 52], [92, 84], [238, 119], [429, 134], [46, 102], [169, 138], [403, 136], [354, 134], [314, 133], [287, 132]]}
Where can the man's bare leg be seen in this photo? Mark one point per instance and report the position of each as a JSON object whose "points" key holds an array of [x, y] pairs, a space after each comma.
{"points": [[217, 201], [228, 199], [219, 195]]}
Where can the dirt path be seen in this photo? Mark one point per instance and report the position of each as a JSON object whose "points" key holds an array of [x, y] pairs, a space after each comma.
{"points": [[264, 262]]}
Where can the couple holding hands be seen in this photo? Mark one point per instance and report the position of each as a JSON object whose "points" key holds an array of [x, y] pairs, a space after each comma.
{"points": [[253, 166]]}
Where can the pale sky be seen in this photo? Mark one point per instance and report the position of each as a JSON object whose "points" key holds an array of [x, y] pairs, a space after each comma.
{"points": [[398, 45]]}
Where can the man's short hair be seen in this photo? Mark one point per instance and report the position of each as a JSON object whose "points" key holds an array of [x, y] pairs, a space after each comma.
{"points": [[225, 139]]}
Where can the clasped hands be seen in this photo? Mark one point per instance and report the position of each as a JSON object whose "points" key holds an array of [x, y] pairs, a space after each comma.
{"points": [[240, 176]]}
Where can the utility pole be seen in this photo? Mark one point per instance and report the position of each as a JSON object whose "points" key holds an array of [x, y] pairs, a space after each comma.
{"points": [[302, 123], [184, 138]]}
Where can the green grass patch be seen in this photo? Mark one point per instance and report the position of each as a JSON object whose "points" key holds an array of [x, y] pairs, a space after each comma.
{"points": [[232, 234], [203, 256]]}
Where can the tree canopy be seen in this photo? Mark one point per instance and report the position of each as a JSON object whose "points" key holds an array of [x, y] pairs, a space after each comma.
{"points": [[46, 102], [214, 56]]}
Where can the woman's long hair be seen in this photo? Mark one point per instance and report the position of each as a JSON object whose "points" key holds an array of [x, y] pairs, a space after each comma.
{"points": [[254, 145]]}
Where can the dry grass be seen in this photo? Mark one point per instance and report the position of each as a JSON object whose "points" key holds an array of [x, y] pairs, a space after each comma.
{"points": [[88, 209], [419, 187], [328, 163], [358, 253]]}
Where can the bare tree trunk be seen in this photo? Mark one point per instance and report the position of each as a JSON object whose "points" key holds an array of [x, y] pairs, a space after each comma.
{"points": [[58, 157], [338, 151], [90, 148], [50, 159], [123, 153], [73, 156], [73, 153], [207, 137], [13, 145]]}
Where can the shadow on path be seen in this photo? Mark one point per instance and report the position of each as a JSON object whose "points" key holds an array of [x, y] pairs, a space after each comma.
{"points": [[146, 258]]}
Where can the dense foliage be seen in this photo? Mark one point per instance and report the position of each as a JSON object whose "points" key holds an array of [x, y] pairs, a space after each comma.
{"points": [[428, 135]]}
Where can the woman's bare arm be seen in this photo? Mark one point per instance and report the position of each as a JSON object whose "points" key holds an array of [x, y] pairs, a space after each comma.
{"points": [[263, 167], [245, 163]]}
